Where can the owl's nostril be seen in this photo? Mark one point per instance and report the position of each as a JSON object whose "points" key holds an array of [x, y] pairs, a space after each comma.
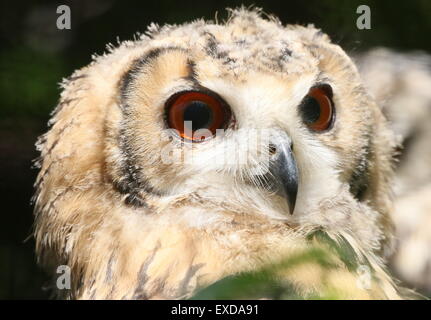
{"points": [[272, 149]]}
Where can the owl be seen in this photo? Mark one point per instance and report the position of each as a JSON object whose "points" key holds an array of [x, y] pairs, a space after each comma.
{"points": [[205, 150]]}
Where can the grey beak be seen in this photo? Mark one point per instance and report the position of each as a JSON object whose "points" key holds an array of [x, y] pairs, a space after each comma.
{"points": [[284, 173]]}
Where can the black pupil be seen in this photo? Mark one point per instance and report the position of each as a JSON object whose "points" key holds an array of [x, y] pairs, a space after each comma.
{"points": [[310, 110], [200, 115]]}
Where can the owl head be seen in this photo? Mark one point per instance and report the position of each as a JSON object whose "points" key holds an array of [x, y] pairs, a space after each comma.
{"points": [[206, 149]]}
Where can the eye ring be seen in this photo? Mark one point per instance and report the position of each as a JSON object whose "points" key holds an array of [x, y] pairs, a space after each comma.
{"points": [[317, 108], [196, 115]]}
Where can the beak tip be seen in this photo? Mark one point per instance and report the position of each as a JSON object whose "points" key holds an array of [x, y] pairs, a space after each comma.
{"points": [[292, 202]]}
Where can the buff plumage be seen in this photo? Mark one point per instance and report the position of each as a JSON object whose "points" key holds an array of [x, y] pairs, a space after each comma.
{"points": [[133, 227]]}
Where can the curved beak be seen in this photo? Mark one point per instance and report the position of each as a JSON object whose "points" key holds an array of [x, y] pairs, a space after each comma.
{"points": [[284, 173]]}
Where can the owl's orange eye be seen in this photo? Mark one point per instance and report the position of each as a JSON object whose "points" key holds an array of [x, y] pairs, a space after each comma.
{"points": [[317, 108], [196, 115]]}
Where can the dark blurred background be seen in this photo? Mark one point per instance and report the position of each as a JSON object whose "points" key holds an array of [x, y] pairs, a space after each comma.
{"points": [[35, 56]]}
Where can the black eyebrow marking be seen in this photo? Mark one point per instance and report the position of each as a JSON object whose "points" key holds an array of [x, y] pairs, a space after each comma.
{"points": [[137, 65], [191, 65], [133, 180]]}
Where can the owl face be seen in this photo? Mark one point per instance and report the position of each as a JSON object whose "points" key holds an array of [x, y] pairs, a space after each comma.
{"points": [[207, 149], [256, 114]]}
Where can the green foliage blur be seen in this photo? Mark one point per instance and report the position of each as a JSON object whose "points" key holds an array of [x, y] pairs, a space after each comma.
{"points": [[35, 56], [266, 282]]}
